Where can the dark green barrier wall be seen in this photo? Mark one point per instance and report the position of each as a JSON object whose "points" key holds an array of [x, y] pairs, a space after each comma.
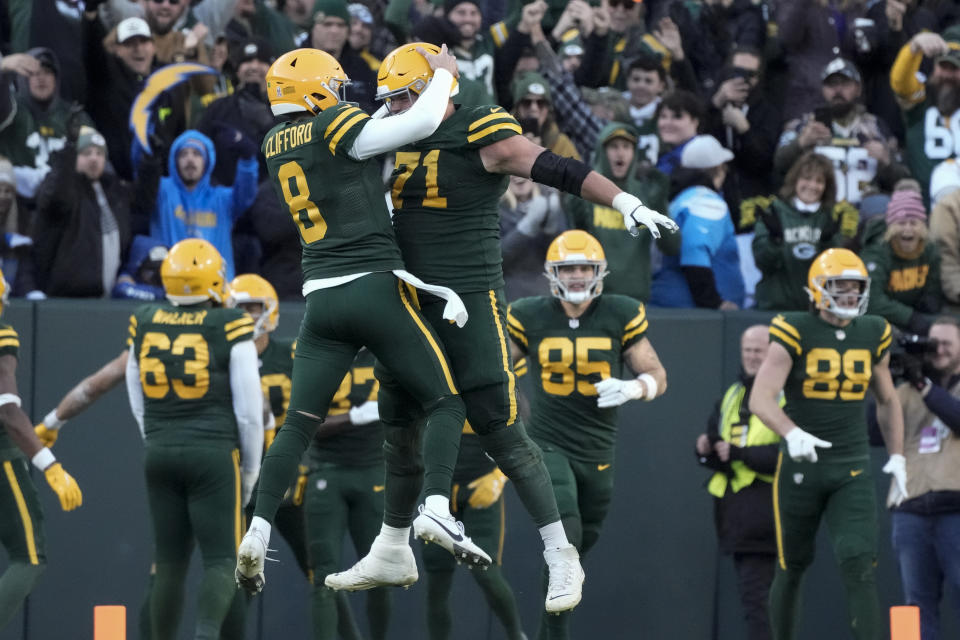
{"points": [[655, 573]]}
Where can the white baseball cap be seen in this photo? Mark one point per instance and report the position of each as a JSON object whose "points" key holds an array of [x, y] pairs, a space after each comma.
{"points": [[131, 28], [704, 152]]}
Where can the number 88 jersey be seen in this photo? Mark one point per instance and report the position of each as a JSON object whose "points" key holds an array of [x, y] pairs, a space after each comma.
{"points": [[827, 384], [183, 354]]}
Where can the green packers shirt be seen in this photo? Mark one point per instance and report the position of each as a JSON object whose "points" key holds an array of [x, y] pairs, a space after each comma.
{"points": [[359, 444], [831, 371], [9, 346], [565, 358], [184, 358], [336, 201], [446, 205], [276, 371]]}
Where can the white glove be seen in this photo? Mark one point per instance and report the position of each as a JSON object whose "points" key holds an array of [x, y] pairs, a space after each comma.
{"points": [[248, 480], [251, 556], [365, 414], [635, 213], [802, 446], [614, 392], [532, 222], [897, 467]]}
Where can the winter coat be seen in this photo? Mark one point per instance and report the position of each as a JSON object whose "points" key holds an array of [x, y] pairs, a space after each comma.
{"points": [[628, 258], [206, 211]]}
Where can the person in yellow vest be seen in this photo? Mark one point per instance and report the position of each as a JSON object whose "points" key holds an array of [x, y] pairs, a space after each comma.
{"points": [[743, 453]]}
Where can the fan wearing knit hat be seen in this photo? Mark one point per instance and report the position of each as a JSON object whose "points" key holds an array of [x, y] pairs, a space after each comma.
{"points": [[904, 268]]}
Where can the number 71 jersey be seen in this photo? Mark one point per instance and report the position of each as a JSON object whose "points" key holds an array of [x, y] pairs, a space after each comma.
{"points": [[184, 358], [831, 371]]}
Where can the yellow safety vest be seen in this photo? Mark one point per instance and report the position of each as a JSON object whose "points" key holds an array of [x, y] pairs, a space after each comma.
{"points": [[753, 434]]}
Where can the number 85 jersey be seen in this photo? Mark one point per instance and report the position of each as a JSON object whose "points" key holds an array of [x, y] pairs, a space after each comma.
{"points": [[828, 381], [565, 359], [183, 354]]}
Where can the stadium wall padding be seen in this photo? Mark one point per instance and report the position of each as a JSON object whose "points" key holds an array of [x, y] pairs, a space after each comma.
{"points": [[654, 575]]}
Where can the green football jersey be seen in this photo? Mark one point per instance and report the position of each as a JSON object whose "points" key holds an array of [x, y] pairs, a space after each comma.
{"points": [[357, 445], [336, 201], [832, 367], [9, 346], [446, 205], [565, 358], [276, 371], [184, 359], [930, 139]]}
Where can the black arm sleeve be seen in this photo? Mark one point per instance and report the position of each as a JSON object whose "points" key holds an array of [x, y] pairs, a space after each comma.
{"points": [[703, 286]]}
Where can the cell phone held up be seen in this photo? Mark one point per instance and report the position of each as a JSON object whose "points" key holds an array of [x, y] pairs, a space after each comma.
{"points": [[823, 116]]}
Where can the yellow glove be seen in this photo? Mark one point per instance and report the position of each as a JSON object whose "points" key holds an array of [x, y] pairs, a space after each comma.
{"points": [[47, 436], [487, 489], [301, 488], [268, 437], [64, 486]]}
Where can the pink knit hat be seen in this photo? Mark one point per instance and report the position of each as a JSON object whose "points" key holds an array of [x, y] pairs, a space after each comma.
{"points": [[905, 205]]}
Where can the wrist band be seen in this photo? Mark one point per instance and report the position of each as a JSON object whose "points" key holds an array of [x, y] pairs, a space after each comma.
{"points": [[52, 422], [9, 398], [650, 384], [43, 459]]}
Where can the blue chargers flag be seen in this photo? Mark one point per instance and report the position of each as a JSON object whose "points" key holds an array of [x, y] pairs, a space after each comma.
{"points": [[159, 81]]}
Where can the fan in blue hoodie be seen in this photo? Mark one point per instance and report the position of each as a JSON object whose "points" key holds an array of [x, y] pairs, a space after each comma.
{"points": [[188, 205]]}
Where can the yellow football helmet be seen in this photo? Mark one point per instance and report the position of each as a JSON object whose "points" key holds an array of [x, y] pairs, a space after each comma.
{"points": [[404, 71], [570, 248], [828, 269], [249, 287], [305, 80], [194, 271]]}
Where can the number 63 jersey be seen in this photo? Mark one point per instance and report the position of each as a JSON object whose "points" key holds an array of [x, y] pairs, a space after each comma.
{"points": [[184, 358], [565, 359], [832, 367]]}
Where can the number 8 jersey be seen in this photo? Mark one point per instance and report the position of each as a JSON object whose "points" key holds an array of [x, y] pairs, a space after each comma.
{"points": [[184, 358], [336, 201], [832, 367]]}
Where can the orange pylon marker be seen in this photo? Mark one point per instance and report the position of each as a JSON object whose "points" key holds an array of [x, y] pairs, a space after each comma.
{"points": [[110, 622], [904, 623]]}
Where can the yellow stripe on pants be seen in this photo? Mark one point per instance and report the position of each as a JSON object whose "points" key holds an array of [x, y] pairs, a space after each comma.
{"points": [[24, 512]]}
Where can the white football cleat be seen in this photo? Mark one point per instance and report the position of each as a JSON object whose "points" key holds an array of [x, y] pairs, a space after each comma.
{"points": [[250, 559], [447, 532], [385, 566], [565, 587]]}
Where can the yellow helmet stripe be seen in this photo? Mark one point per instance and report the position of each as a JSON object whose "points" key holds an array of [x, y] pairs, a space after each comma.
{"points": [[499, 115], [510, 126], [787, 339], [781, 322], [351, 123]]}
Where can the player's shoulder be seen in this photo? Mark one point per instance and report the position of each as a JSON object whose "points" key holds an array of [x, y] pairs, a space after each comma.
{"points": [[873, 327], [236, 324], [793, 328], [620, 305], [144, 312], [485, 124], [529, 308], [338, 126]]}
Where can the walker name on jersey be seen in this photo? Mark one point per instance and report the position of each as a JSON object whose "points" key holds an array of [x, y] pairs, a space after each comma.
{"points": [[288, 138], [178, 317]]}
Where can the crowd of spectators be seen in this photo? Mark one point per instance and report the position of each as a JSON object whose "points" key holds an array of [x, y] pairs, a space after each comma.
{"points": [[769, 129]]}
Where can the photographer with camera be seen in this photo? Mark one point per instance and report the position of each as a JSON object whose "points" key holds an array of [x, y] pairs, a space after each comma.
{"points": [[859, 144], [743, 454], [926, 523]]}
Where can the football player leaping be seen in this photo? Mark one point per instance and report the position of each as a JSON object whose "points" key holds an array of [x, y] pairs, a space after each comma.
{"points": [[577, 341], [824, 360], [320, 161], [445, 191]]}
